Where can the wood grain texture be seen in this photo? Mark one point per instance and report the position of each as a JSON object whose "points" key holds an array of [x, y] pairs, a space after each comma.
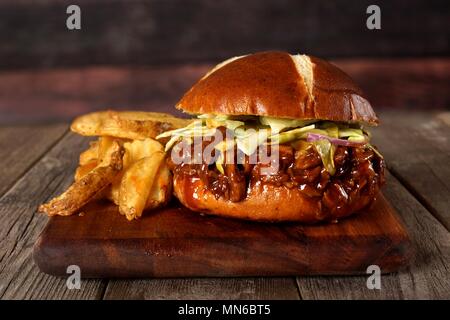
{"points": [[178, 31], [427, 276], [61, 94], [201, 288], [175, 242], [417, 151], [22, 146], [21, 225]]}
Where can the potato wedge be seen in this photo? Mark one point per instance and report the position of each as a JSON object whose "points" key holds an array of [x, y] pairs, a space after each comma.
{"points": [[134, 151], [126, 124], [139, 149], [95, 155], [104, 145], [85, 189], [136, 185], [114, 191], [90, 154], [160, 193], [84, 169], [161, 190]]}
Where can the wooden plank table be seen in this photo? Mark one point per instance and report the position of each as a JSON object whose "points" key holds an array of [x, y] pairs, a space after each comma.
{"points": [[37, 163]]}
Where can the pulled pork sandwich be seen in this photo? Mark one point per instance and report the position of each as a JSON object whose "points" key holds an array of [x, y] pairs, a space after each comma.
{"points": [[279, 137]]}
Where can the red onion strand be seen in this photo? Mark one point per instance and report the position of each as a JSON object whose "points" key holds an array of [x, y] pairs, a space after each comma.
{"points": [[340, 142]]}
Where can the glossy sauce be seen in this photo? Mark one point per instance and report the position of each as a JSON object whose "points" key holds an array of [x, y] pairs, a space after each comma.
{"points": [[359, 174]]}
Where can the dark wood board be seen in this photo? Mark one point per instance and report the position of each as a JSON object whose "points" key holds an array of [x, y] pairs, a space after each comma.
{"points": [[174, 242]]}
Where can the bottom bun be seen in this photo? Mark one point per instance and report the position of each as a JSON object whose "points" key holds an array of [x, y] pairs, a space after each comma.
{"points": [[264, 202]]}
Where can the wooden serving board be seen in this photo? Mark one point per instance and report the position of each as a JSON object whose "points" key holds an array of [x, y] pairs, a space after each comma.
{"points": [[175, 242]]}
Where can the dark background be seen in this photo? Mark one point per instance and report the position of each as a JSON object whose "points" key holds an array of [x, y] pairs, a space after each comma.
{"points": [[145, 54]]}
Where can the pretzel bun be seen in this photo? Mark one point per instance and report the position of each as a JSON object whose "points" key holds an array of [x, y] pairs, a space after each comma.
{"points": [[280, 85]]}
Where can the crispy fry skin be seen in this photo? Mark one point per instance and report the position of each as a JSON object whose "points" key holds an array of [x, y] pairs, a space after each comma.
{"points": [[124, 165], [89, 154], [134, 151], [126, 124], [84, 169], [161, 190], [160, 193], [158, 187], [95, 155], [85, 189], [142, 161], [136, 185]]}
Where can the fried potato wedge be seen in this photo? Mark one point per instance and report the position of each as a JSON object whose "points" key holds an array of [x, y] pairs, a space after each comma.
{"points": [[139, 149], [97, 152], [134, 151], [84, 169], [90, 154], [85, 189], [126, 124], [95, 155], [136, 185], [160, 193], [103, 148], [161, 190], [114, 191]]}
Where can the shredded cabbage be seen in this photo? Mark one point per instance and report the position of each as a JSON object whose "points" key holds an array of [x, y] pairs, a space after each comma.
{"points": [[326, 151], [279, 124], [331, 129], [375, 150], [250, 131], [171, 142], [291, 135], [248, 140]]}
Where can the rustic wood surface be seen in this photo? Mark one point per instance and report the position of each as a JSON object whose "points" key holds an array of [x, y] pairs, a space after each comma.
{"points": [[21, 225], [419, 205], [417, 149], [204, 288], [60, 94], [15, 141]]}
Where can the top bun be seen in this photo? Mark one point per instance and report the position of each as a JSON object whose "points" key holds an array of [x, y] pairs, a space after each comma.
{"points": [[281, 85]]}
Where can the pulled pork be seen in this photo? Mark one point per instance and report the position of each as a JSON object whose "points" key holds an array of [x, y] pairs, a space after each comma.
{"points": [[359, 172]]}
